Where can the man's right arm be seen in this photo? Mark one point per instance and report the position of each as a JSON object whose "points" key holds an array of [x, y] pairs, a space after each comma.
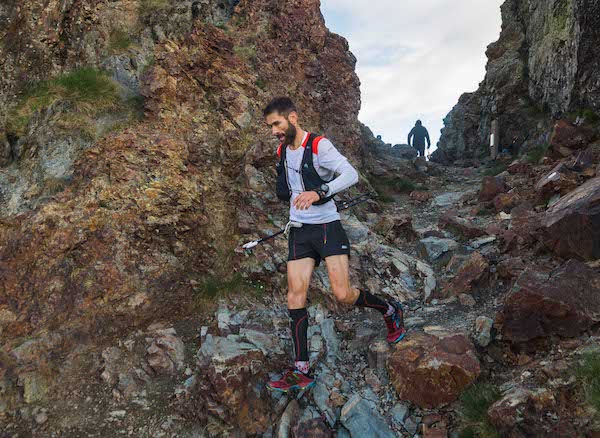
{"points": [[410, 135]]}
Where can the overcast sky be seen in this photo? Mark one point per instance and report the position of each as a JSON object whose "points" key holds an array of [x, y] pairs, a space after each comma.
{"points": [[415, 58]]}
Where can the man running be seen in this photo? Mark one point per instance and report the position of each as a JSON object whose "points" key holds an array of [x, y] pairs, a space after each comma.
{"points": [[420, 134], [306, 171]]}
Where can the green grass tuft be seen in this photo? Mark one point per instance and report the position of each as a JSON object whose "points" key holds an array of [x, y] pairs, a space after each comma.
{"points": [[386, 186], [148, 7], [535, 155], [88, 93], [119, 41], [588, 376], [260, 83], [476, 401], [495, 169]]}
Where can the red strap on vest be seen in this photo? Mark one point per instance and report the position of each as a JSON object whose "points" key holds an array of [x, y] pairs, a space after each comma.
{"points": [[279, 150], [316, 144]]}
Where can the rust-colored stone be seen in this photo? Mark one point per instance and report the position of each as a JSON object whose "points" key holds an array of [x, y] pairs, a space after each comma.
{"points": [[420, 196], [559, 180], [564, 302], [460, 226], [492, 186], [471, 272], [568, 136], [571, 227], [506, 202], [431, 370]]}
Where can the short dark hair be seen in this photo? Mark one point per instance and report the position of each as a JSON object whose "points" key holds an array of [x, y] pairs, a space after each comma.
{"points": [[281, 105]]}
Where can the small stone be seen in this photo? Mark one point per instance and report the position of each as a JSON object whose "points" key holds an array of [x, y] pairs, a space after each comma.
{"points": [[399, 414], [483, 327], [118, 414], [411, 425], [466, 300], [41, 418]]}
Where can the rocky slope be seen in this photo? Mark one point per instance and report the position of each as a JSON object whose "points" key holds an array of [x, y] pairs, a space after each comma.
{"points": [[127, 307], [542, 67]]}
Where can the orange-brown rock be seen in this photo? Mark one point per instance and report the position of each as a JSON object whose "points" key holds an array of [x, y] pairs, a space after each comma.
{"points": [[519, 168], [571, 227], [420, 196], [523, 413], [559, 180], [506, 202], [432, 370], [398, 226], [563, 302], [230, 385], [567, 137], [471, 272], [492, 186], [462, 227]]}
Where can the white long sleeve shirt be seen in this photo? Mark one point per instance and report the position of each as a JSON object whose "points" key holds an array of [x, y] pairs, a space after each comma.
{"points": [[328, 162]]}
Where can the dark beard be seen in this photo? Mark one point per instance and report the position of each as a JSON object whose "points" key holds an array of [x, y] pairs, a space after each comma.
{"points": [[290, 135]]}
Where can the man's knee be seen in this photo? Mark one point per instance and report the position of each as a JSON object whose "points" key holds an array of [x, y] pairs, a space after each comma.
{"points": [[297, 294], [343, 293]]}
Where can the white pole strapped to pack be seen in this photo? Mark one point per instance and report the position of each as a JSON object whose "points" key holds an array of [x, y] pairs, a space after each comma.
{"points": [[286, 230]]}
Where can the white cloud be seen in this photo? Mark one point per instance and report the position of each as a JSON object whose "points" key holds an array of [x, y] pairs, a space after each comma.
{"points": [[415, 58]]}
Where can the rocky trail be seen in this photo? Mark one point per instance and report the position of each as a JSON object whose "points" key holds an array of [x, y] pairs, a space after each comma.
{"points": [[160, 382], [128, 309]]}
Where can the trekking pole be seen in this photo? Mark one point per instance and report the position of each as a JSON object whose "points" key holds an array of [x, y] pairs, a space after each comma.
{"points": [[290, 224], [355, 201]]}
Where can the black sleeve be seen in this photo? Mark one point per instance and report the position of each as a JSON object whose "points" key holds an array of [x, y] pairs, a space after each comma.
{"points": [[410, 134], [427, 137]]}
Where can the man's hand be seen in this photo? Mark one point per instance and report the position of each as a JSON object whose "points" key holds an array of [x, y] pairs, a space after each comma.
{"points": [[305, 200]]}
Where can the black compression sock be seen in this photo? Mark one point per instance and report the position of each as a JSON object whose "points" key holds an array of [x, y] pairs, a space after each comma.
{"points": [[366, 299], [299, 326]]}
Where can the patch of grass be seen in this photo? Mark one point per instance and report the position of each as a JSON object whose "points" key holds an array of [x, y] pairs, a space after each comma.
{"points": [[588, 376], [119, 41], [589, 115], [495, 169], [149, 7], [221, 26], [385, 186], [260, 83], [87, 90], [248, 53], [476, 401], [213, 286], [55, 185], [534, 155]]}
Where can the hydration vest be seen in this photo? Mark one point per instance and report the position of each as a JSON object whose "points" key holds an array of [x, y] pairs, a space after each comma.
{"points": [[310, 178]]}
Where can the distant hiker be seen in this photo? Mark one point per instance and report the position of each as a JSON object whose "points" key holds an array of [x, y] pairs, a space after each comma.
{"points": [[306, 169], [419, 132]]}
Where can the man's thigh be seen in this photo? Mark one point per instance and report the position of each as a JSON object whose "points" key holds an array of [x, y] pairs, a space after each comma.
{"points": [[299, 273], [338, 269]]}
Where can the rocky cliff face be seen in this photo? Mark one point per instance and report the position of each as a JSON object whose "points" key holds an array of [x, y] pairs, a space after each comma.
{"points": [[543, 66], [149, 206]]}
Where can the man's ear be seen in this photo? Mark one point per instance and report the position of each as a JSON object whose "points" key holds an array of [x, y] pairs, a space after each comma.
{"points": [[293, 118]]}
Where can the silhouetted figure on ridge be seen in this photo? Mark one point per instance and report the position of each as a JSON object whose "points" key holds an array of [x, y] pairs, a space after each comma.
{"points": [[419, 134]]}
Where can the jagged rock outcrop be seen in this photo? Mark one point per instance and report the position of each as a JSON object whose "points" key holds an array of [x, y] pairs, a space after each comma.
{"points": [[151, 210], [543, 65]]}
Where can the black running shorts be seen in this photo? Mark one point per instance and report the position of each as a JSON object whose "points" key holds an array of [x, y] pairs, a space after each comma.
{"points": [[318, 241]]}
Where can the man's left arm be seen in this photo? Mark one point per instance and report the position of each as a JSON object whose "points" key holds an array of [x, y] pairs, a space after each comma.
{"points": [[330, 158], [427, 137]]}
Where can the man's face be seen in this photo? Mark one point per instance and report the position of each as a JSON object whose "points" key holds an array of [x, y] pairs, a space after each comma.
{"points": [[281, 127]]}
